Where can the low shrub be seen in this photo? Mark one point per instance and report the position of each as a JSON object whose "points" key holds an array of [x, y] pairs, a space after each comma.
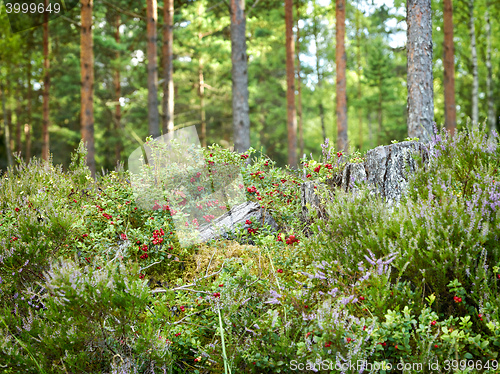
{"points": [[92, 282]]}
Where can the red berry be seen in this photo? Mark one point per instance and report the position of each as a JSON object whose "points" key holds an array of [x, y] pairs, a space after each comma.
{"points": [[396, 346], [361, 298], [280, 271], [433, 323]]}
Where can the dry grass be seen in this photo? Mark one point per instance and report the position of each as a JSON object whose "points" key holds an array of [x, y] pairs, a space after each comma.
{"points": [[209, 259]]}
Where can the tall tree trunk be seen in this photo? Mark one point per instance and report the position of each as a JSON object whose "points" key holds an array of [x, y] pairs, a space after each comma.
{"points": [[450, 112], [320, 79], [46, 86], [380, 112], [475, 77], [168, 67], [201, 92], [6, 132], [358, 70], [27, 126], [9, 124], [241, 119], [290, 80], [201, 87], [299, 88], [153, 114], [420, 84], [489, 77], [370, 129], [340, 59], [87, 90], [19, 111], [117, 84]]}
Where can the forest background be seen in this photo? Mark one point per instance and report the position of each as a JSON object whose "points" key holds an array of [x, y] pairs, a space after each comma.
{"points": [[46, 60]]}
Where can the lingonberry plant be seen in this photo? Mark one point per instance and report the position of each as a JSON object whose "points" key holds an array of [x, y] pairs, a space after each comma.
{"points": [[94, 276]]}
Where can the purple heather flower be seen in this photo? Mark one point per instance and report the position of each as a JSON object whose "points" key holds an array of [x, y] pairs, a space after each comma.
{"points": [[333, 292], [274, 298]]}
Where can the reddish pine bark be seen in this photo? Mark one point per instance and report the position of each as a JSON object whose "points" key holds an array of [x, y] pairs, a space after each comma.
{"points": [[340, 59], [241, 119], [19, 124], [46, 87], [153, 114], [87, 90], [299, 88], [420, 84], [450, 112], [168, 67], [27, 125], [290, 80], [118, 109]]}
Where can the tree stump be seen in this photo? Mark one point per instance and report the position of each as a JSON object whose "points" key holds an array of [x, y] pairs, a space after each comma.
{"points": [[225, 224], [386, 170]]}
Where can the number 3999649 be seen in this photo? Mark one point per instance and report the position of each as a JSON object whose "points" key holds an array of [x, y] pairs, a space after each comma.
{"points": [[32, 8]]}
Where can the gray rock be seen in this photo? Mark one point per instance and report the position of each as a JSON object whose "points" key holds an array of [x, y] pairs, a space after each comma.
{"points": [[238, 214]]}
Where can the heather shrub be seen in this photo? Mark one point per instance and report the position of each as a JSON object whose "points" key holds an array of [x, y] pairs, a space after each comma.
{"points": [[88, 320], [438, 237]]}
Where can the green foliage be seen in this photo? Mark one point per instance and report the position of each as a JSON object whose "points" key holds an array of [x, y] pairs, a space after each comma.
{"points": [[412, 283]]}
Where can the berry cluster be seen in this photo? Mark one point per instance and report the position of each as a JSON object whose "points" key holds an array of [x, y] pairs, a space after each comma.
{"points": [[209, 217], [158, 236], [290, 240], [257, 174]]}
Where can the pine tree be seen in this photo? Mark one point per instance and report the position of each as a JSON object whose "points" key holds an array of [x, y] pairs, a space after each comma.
{"points": [[340, 58], [420, 82], [87, 74], [290, 81], [153, 114], [241, 119], [449, 68]]}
